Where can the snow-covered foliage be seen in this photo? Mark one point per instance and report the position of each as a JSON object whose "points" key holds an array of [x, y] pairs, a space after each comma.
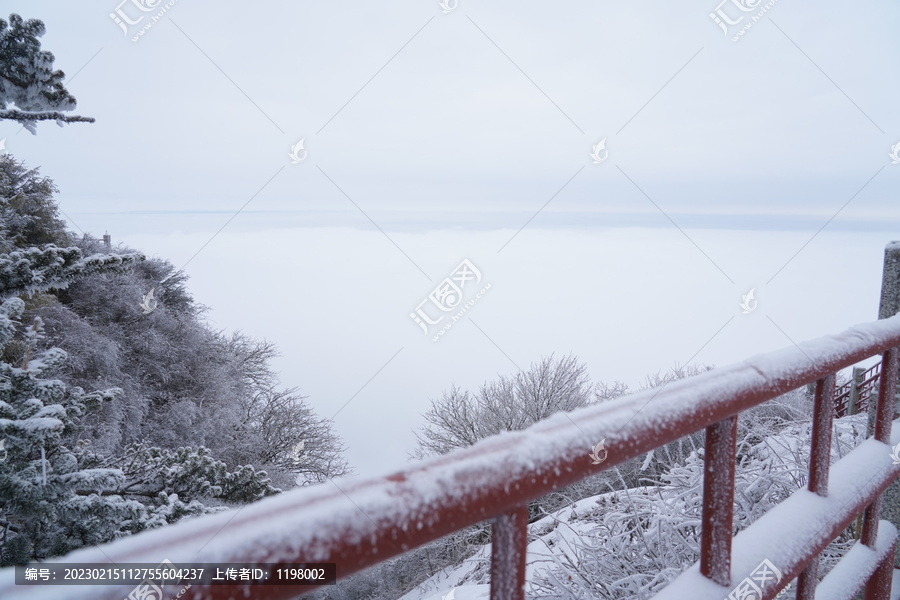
{"points": [[41, 510], [181, 382], [28, 214], [36, 252], [40, 269], [56, 496], [190, 473], [30, 90], [83, 468], [631, 541], [459, 418]]}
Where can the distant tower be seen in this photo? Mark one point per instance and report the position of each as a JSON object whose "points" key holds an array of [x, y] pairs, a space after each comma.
{"points": [[107, 240]]}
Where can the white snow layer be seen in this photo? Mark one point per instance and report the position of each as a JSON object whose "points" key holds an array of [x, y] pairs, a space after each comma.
{"points": [[310, 524], [857, 566], [803, 521]]}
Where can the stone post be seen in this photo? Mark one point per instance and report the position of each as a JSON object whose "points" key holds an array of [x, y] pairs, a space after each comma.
{"points": [[890, 282], [890, 287], [890, 306], [853, 403]]}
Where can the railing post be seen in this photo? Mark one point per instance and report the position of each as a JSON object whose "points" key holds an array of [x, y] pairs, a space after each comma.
{"points": [[853, 404], [718, 500], [887, 389], [887, 385], [819, 463], [820, 451], [879, 585], [509, 539]]}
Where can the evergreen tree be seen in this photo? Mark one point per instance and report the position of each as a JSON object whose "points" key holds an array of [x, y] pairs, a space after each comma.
{"points": [[27, 79], [180, 380], [40, 478], [190, 474], [56, 493], [28, 213], [56, 497], [37, 270]]}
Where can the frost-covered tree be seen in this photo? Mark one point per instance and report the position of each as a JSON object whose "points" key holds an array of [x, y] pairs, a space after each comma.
{"points": [[181, 381], [40, 269], [459, 419], [281, 431], [30, 90], [189, 473], [61, 485], [28, 213], [630, 541], [56, 496], [41, 510], [30, 230]]}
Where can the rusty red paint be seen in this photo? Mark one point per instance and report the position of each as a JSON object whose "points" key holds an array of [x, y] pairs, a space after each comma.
{"points": [[871, 515], [819, 461], [820, 451], [807, 581], [718, 500], [879, 585], [884, 413], [509, 539]]}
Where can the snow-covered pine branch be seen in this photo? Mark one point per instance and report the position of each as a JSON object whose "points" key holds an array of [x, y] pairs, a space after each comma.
{"points": [[31, 116], [27, 79], [36, 270]]}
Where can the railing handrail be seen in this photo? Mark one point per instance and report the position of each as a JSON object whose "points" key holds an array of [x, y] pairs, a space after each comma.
{"points": [[359, 524]]}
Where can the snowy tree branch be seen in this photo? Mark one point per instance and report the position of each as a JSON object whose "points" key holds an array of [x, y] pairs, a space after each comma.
{"points": [[14, 81], [52, 115]]}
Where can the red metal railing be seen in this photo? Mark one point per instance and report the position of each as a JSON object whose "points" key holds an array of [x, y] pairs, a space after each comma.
{"points": [[865, 387], [359, 524]]}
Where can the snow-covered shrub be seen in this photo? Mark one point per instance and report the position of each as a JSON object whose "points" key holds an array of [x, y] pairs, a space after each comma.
{"points": [[638, 540], [394, 577]]}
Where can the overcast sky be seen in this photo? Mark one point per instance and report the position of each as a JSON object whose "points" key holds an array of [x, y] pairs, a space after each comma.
{"points": [[433, 137]]}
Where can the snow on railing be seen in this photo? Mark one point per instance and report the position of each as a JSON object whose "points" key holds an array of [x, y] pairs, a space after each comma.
{"points": [[362, 523]]}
